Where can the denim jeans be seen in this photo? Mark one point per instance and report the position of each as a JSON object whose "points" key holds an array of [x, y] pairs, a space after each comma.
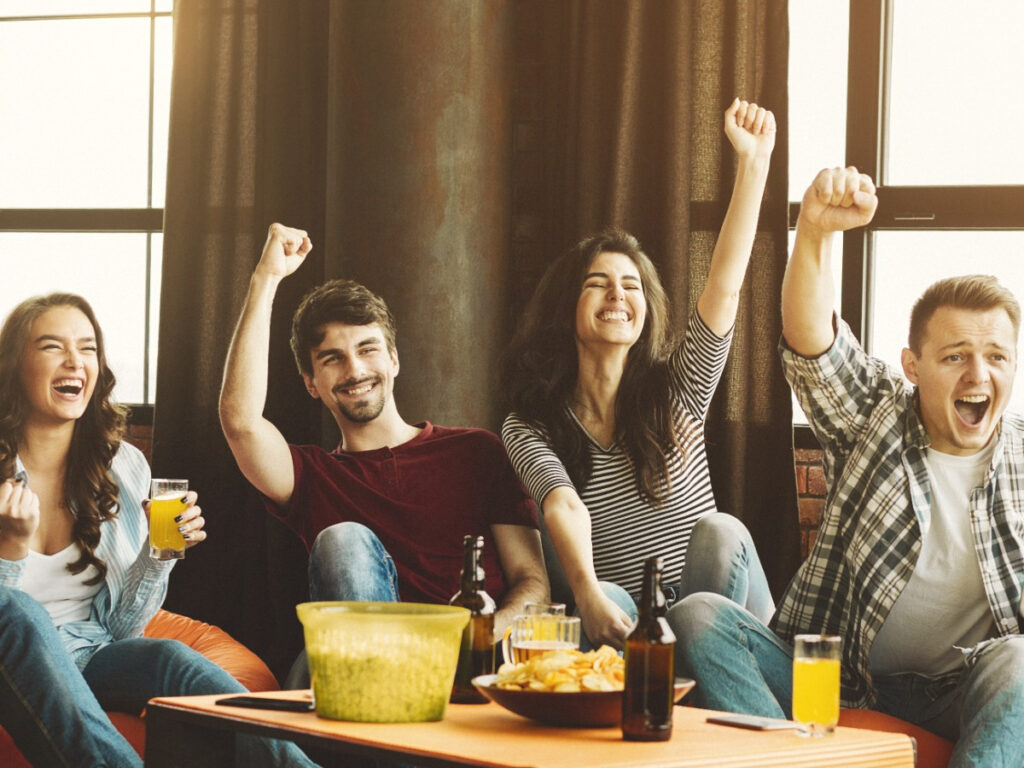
{"points": [[55, 713], [347, 562], [720, 558], [742, 666]]}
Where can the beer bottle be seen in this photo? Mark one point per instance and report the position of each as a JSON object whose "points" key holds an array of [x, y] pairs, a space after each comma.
{"points": [[650, 665], [476, 654]]}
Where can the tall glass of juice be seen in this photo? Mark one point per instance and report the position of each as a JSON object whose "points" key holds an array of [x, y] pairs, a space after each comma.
{"points": [[816, 683], [166, 502]]}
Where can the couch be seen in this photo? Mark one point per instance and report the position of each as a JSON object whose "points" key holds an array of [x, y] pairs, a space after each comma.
{"points": [[214, 643]]}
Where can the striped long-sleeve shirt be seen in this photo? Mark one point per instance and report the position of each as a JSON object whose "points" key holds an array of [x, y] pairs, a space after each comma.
{"points": [[626, 529]]}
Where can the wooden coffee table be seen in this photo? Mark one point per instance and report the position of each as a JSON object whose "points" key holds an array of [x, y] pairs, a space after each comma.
{"points": [[194, 732]]}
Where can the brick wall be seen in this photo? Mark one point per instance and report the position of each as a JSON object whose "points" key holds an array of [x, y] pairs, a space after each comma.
{"points": [[141, 436], [810, 489]]}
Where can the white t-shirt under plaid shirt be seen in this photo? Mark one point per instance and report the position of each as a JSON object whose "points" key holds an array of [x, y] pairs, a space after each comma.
{"points": [[863, 414], [626, 529]]}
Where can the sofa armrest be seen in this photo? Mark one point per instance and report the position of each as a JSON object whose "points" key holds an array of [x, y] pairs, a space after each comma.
{"points": [[217, 646]]}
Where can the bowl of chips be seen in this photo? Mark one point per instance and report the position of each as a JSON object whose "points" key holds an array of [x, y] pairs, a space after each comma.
{"points": [[566, 688]]}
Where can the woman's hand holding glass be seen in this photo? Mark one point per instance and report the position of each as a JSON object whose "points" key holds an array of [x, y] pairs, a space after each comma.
{"points": [[189, 523]]}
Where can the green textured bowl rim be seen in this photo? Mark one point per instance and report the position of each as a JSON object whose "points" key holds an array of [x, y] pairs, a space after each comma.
{"points": [[327, 610]]}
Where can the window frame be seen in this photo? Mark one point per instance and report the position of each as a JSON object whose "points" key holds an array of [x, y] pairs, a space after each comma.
{"points": [[900, 208], [148, 221]]}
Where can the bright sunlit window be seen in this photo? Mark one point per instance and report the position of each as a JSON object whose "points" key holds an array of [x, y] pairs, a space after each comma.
{"points": [[84, 97], [937, 127]]}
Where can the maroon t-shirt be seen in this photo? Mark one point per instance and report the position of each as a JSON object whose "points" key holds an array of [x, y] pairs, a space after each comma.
{"points": [[420, 498]]}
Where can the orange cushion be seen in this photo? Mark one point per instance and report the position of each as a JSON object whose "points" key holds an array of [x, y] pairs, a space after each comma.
{"points": [[216, 645], [932, 751]]}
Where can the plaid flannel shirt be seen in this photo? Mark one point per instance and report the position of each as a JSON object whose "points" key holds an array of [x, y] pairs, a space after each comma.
{"points": [[878, 507]]}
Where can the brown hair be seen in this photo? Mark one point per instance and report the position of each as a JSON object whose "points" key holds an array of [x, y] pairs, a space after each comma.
{"points": [[89, 488], [540, 368], [975, 292], [336, 301]]}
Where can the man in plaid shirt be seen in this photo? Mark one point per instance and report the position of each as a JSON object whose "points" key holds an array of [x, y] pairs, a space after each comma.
{"points": [[919, 561]]}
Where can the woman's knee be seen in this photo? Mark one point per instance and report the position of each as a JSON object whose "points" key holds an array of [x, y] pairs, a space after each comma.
{"points": [[19, 608], [697, 615], [717, 530]]}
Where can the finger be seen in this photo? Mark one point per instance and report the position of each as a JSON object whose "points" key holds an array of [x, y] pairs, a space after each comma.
{"points": [[852, 184], [194, 538], [190, 498], [822, 185], [866, 184], [758, 123], [838, 188], [741, 113], [191, 527], [730, 111], [306, 247], [770, 126]]}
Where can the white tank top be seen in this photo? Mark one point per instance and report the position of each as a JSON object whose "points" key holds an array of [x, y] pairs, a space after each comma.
{"points": [[65, 596]]}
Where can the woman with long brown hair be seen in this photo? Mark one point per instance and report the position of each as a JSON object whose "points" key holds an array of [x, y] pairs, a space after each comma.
{"points": [[606, 428], [77, 583]]}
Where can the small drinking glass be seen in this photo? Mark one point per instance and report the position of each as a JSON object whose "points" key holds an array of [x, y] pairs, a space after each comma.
{"points": [[543, 627], [166, 502], [816, 661]]}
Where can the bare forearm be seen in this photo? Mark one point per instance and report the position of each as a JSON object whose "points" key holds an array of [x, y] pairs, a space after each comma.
{"points": [[527, 590], [808, 292], [720, 298], [244, 389]]}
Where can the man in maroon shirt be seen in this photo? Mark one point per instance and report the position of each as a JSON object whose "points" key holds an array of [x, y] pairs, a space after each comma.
{"points": [[384, 514]]}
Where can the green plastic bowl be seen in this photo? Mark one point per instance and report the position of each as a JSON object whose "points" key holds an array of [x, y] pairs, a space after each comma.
{"points": [[382, 662]]}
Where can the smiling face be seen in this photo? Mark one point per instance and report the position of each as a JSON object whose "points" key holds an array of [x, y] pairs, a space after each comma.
{"points": [[60, 365], [611, 308], [353, 372], [964, 376]]}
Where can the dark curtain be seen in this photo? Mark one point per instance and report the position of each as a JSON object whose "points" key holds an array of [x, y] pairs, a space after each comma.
{"points": [[443, 153]]}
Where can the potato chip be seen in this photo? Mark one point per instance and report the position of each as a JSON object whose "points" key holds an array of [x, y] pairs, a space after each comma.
{"points": [[566, 671]]}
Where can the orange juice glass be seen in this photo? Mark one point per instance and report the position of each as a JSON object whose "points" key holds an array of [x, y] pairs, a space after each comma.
{"points": [[816, 660], [166, 501]]}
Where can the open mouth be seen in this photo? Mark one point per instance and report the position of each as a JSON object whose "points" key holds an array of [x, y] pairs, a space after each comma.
{"points": [[613, 315], [69, 387], [972, 408]]}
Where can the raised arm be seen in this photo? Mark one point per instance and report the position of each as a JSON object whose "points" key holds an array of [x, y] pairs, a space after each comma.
{"points": [[259, 448], [751, 131], [838, 199]]}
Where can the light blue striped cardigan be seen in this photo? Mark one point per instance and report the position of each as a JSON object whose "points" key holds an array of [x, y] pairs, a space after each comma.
{"points": [[135, 585]]}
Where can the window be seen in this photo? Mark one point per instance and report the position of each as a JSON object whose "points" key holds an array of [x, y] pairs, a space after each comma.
{"points": [[84, 97], [932, 115]]}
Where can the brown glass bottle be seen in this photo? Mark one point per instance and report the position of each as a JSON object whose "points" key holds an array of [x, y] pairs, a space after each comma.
{"points": [[476, 654], [650, 665]]}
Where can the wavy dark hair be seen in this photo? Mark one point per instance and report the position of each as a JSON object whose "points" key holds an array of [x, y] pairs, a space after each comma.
{"points": [[89, 488], [540, 369]]}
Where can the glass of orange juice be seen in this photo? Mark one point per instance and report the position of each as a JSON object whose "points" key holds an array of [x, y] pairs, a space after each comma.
{"points": [[816, 683], [166, 501]]}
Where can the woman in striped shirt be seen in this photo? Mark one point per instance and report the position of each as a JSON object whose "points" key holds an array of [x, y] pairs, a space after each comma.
{"points": [[606, 428]]}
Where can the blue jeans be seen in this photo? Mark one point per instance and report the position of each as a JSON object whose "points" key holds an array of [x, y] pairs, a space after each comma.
{"points": [[55, 713], [742, 666], [347, 562], [720, 558]]}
